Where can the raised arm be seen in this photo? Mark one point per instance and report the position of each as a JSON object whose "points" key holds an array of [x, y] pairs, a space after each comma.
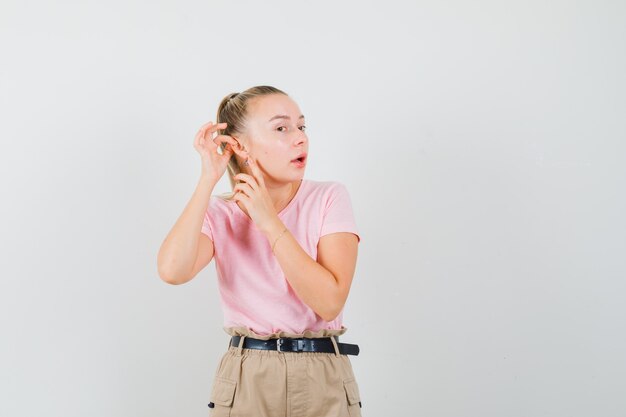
{"points": [[185, 250]]}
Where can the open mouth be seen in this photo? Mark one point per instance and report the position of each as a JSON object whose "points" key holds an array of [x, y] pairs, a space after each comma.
{"points": [[300, 160]]}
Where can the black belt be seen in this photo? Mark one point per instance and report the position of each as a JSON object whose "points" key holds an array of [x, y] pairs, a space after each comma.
{"points": [[302, 344]]}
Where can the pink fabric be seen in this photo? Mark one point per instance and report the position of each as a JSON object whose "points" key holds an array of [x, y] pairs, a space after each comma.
{"points": [[253, 289]]}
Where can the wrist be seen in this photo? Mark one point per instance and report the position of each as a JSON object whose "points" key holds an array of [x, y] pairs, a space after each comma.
{"points": [[273, 230], [207, 181]]}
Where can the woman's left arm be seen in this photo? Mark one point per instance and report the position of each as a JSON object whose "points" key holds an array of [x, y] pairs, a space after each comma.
{"points": [[323, 285]]}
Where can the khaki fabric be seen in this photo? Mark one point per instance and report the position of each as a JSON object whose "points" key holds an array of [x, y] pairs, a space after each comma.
{"points": [[269, 383]]}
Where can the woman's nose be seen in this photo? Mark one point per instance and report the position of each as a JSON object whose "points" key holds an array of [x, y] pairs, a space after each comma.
{"points": [[301, 136]]}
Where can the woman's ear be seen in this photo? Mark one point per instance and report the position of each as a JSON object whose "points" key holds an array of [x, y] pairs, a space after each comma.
{"points": [[240, 149]]}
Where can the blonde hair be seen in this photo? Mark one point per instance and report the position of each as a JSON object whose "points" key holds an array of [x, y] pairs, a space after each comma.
{"points": [[233, 110]]}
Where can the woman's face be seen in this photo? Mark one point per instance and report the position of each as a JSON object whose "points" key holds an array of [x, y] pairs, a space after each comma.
{"points": [[275, 136]]}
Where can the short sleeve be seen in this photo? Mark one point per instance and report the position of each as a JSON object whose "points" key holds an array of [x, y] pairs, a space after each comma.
{"points": [[337, 213], [206, 225]]}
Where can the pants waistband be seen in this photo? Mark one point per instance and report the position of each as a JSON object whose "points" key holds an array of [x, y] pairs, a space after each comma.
{"points": [[301, 344]]}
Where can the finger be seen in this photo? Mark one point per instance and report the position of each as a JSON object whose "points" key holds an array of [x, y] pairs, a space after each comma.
{"points": [[201, 143], [211, 124], [256, 171], [204, 127], [244, 177], [210, 128], [208, 131], [201, 132], [216, 126], [247, 179], [224, 138], [241, 197], [227, 152], [244, 188], [200, 140]]}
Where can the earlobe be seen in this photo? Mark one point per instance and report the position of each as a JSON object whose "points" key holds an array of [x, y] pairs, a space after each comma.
{"points": [[241, 151], [240, 148]]}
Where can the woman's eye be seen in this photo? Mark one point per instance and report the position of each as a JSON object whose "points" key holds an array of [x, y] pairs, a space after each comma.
{"points": [[282, 128]]}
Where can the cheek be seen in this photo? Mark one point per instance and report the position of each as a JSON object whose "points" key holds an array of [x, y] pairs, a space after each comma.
{"points": [[274, 154]]}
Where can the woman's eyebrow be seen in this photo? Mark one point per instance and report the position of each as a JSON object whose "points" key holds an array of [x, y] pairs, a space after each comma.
{"points": [[284, 116]]}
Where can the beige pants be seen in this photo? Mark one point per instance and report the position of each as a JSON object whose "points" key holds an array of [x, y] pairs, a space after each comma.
{"points": [[269, 383]]}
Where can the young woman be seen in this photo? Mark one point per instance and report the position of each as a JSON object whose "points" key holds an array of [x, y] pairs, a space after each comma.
{"points": [[285, 250]]}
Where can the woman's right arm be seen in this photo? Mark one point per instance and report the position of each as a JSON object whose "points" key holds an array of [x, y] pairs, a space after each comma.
{"points": [[186, 250]]}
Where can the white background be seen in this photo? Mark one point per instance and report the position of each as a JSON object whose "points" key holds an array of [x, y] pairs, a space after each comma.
{"points": [[482, 143]]}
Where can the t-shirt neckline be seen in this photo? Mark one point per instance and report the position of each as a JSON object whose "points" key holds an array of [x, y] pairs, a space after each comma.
{"points": [[291, 202]]}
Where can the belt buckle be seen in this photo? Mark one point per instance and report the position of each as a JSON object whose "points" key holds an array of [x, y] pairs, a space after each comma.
{"points": [[299, 345]]}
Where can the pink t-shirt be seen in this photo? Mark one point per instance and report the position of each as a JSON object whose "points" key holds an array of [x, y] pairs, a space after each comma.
{"points": [[253, 289]]}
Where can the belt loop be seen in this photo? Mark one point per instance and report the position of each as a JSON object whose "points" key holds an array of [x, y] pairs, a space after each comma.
{"points": [[240, 347], [332, 339]]}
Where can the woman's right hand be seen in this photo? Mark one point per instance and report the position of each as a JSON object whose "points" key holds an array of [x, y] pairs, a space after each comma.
{"points": [[213, 164]]}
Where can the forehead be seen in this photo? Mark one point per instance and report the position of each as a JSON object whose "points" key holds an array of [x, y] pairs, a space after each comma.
{"points": [[268, 106]]}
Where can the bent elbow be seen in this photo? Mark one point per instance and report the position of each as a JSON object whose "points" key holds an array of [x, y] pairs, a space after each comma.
{"points": [[168, 279], [171, 281], [334, 308], [332, 313], [169, 276], [330, 317]]}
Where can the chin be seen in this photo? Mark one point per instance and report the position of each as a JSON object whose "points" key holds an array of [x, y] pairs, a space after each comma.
{"points": [[289, 177]]}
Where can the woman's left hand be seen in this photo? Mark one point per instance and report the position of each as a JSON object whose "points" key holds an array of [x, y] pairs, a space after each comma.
{"points": [[254, 196]]}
